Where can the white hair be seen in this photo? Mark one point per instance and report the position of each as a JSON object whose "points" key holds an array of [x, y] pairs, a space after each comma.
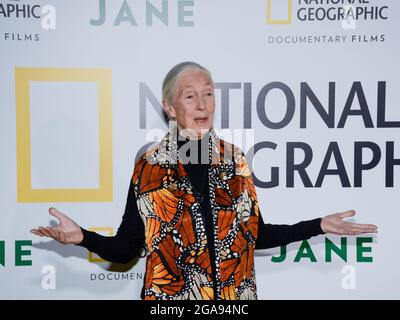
{"points": [[170, 79]]}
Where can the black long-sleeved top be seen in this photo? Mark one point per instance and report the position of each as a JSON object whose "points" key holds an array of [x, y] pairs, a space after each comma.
{"points": [[130, 237]]}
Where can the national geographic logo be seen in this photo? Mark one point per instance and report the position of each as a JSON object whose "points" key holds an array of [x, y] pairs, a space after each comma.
{"points": [[284, 11], [20, 12]]}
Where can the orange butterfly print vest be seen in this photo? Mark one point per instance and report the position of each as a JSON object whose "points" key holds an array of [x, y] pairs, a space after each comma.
{"points": [[177, 256]]}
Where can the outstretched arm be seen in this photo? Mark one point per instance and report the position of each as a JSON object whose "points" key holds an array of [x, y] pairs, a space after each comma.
{"points": [[275, 235], [120, 248]]}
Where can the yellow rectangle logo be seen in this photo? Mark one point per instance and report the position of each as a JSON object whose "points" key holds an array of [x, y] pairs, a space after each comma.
{"points": [[271, 20], [103, 79]]}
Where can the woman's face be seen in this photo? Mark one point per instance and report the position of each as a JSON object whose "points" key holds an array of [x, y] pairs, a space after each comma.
{"points": [[192, 103]]}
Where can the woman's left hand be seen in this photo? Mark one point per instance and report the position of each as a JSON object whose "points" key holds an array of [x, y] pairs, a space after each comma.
{"points": [[335, 224]]}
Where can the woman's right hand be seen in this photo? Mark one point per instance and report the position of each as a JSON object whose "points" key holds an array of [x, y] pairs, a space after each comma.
{"points": [[66, 232]]}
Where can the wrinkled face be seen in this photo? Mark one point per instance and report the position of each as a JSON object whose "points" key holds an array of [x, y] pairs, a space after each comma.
{"points": [[192, 103]]}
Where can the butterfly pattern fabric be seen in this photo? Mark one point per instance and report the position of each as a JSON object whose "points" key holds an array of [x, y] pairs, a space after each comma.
{"points": [[177, 256]]}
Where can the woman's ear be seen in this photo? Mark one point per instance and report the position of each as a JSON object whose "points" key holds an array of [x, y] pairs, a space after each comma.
{"points": [[169, 109]]}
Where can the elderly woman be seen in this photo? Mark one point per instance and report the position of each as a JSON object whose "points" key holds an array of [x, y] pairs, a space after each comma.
{"points": [[193, 204]]}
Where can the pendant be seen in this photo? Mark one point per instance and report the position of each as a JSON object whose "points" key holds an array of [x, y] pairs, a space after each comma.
{"points": [[200, 198]]}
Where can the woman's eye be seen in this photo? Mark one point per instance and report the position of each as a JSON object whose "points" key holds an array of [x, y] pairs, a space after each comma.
{"points": [[189, 97]]}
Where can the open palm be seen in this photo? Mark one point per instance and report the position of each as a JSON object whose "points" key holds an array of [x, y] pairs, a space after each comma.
{"points": [[335, 223], [66, 232]]}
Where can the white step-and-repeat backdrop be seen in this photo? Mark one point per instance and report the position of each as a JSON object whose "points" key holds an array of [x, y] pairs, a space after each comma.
{"points": [[315, 83]]}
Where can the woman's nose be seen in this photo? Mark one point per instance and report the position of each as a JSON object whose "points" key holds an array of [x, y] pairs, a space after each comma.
{"points": [[201, 103]]}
